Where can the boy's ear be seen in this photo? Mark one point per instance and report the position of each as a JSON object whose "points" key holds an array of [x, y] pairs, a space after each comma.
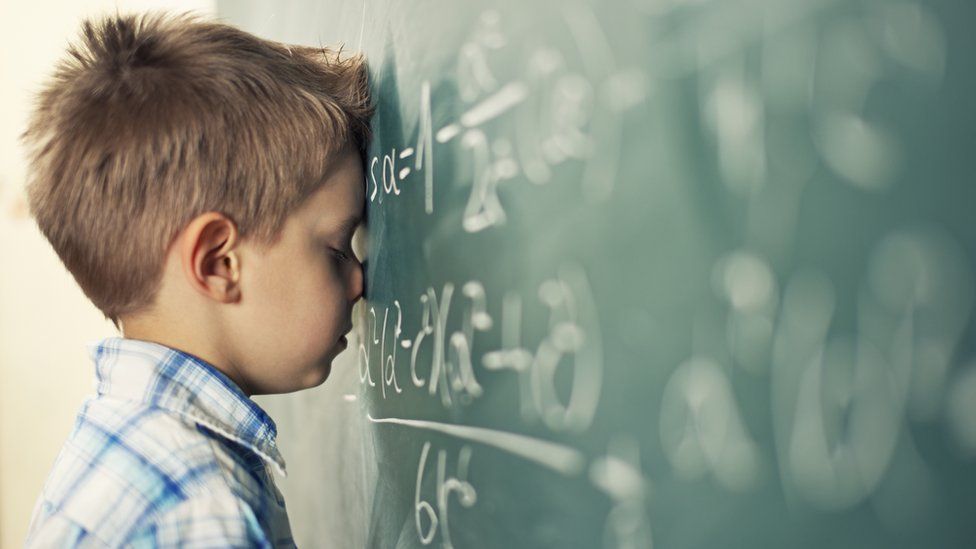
{"points": [[210, 257]]}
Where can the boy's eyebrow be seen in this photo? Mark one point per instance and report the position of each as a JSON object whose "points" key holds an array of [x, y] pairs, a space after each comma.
{"points": [[349, 224]]}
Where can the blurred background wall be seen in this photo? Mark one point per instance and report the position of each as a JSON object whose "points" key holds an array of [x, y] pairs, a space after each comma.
{"points": [[45, 320]]}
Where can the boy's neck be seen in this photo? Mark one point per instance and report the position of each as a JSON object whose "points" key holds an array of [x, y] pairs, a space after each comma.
{"points": [[183, 337]]}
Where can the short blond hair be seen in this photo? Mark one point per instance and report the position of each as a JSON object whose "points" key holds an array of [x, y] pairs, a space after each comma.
{"points": [[151, 120]]}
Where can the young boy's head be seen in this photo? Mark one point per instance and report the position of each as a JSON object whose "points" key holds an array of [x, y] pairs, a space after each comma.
{"points": [[202, 186]]}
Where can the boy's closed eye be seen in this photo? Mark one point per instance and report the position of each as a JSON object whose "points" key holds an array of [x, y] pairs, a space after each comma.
{"points": [[341, 255]]}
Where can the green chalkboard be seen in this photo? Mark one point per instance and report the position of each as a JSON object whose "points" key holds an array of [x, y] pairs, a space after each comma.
{"points": [[682, 273]]}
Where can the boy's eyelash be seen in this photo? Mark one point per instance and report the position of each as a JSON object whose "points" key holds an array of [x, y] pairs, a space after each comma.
{"points": [[340, 254]]}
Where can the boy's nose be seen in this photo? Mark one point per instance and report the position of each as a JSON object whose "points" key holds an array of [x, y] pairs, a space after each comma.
{"points": [[357, 288]]}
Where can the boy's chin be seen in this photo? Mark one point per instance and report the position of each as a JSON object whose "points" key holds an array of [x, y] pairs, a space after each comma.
{"points": [[324, 368]]}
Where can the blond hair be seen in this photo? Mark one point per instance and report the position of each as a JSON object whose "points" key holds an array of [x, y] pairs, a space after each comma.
{"points": [[152, 120]]}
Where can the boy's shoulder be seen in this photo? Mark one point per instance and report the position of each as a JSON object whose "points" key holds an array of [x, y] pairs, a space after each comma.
{"points": [[128, 472], [157, 470]]}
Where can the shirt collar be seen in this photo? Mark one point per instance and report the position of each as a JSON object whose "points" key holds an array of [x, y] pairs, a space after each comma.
{"points": [[184, 384]]}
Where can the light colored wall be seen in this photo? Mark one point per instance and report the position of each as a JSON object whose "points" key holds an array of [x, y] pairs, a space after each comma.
{"points": [[45, 320]]}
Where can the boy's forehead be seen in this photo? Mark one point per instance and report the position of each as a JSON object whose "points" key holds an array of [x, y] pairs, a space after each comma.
{"points": [[339, 208], [339, 203], [338, 212]]}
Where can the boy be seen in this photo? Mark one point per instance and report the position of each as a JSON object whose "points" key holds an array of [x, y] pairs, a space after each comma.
{"points": [[202, 186]]}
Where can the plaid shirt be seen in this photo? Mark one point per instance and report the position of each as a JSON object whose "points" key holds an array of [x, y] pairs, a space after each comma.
{"points": [[168, 452]]}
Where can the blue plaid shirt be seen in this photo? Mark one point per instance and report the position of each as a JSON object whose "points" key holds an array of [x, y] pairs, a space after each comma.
{"points": [[168, 452]]}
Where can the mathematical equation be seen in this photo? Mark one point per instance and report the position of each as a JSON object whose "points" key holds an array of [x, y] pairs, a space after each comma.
{"points": [[451, 373], [556, 113], [559, 116]]}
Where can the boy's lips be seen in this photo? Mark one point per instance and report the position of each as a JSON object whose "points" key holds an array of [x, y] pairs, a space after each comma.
{"points": [[342, 339]]}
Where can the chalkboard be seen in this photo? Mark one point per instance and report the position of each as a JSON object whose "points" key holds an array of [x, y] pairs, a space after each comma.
{"points": [[682, 273]]}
